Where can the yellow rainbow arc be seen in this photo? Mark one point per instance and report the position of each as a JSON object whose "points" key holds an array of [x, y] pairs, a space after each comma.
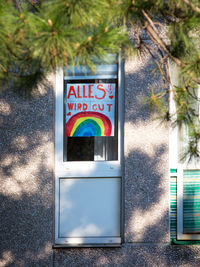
{"points": [[80, 120]]}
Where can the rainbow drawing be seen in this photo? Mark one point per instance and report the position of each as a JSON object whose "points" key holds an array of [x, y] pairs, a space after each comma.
{"points": [[88, 123]]}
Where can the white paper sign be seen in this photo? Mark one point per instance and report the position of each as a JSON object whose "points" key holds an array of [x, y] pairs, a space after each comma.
{"points": [[90, 109]]}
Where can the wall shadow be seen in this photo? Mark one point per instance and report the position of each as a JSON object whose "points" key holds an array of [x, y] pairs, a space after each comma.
{"points": [[26, 194], [26, 174], [146, 224]]}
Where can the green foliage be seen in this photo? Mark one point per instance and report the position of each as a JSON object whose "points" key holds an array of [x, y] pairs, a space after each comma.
{"points": [[192, 151], [36, 37]]}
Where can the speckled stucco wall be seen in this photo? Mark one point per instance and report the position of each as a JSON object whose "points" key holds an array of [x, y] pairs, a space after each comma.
{"points": [[26, 177], [26, 191], [146, 159]]}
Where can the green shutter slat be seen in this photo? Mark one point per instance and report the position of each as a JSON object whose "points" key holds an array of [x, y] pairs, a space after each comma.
{"points": [[173, 205], [173, 170], [191, 201]]}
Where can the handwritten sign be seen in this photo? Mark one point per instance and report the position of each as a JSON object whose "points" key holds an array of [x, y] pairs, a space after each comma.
{"points": [[90, 109]]}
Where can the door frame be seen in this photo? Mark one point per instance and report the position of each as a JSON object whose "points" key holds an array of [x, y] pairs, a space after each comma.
{"points": [[90, 169]]}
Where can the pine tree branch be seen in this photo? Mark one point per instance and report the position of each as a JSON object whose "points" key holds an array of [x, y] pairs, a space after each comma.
{"points": [[151, 29], [194, 96], [154, 35], [160, 67], [136, 31], [18, 57], [194, 8], [18, 4]]}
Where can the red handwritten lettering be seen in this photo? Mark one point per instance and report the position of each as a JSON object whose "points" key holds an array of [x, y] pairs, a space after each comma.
{"points": [[90, 91], [84, 95], [70, 106], [109, 107], [99, 87], [79, 96], [71, 92], [79, 106], [101, 107], [84, 106], [94, 106]]}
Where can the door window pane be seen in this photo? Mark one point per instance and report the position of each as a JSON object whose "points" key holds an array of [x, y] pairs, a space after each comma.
{"points": [[90, 126]]}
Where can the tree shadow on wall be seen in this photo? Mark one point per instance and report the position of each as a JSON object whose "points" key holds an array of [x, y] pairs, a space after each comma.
{"points": [[26, 174], [26, 161], [146, 223]]}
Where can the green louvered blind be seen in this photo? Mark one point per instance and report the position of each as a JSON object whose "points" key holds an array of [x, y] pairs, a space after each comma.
{"points": [[191, 201]]}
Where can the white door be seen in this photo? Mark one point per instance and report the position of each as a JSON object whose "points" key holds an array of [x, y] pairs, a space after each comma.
{"points": [[89, 156]]}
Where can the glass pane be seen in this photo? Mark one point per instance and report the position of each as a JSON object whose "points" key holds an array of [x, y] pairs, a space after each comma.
{"points": [[90, 120], [109, 67]]}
